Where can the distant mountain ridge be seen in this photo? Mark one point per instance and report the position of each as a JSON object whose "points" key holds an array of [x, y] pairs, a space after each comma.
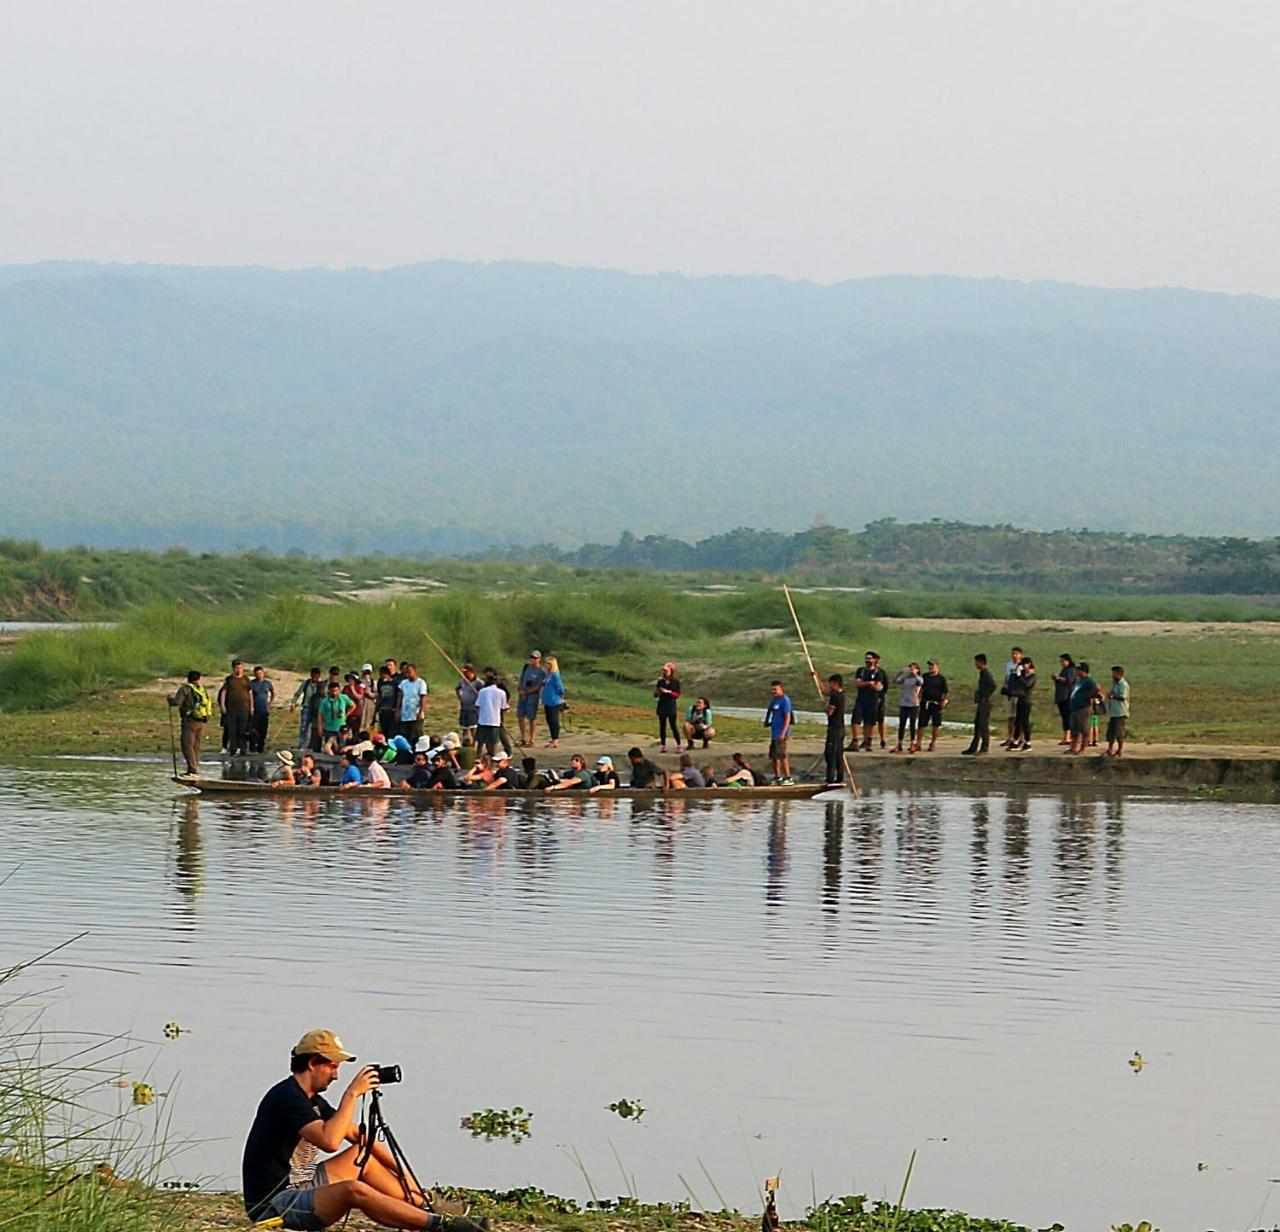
{"points": [[447, 406]]}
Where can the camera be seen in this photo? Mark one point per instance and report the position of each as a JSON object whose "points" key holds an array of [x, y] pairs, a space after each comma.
{"points": [[386, 1074]]}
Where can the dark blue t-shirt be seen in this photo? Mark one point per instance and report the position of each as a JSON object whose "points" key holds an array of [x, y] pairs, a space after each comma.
{"points": [[261, 690], [273, 1138]]}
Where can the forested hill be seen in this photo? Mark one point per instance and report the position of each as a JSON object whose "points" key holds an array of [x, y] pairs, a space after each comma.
{"points": [[445, 407]]}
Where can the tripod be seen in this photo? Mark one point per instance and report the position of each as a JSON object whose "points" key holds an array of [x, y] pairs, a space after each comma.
{"points": [[376, 1127]]}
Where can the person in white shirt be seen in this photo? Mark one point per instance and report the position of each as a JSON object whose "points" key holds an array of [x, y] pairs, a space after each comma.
{"points": [[375, 773], [491, 701]]}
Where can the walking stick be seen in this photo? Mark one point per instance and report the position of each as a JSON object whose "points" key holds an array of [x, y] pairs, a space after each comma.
{"points": [[173, 748], [813, 675]]}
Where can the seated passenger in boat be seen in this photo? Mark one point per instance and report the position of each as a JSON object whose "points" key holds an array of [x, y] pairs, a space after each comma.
{"points": [[420, 775], [534, 779], [576, 778], [375, 774], [688, 775], [646, 773], [505, 775], [479, 775], [351, 773], [283, 775], [743, 774], [605, 777], [305, 774]]}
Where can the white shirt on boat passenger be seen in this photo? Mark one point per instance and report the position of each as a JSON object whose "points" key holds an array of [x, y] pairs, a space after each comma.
{"points": [[490, 703], [376, 776]]}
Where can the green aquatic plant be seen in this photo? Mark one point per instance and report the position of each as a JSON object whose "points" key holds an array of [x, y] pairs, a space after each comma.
{"points": [[627, 1109], [491, 1123]]}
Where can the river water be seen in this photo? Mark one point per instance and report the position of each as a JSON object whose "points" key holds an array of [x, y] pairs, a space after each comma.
{"points": [[813, 986]]}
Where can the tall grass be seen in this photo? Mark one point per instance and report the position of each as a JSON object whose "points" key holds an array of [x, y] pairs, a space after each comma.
{"points": [[620, 634], [75, 1154]]}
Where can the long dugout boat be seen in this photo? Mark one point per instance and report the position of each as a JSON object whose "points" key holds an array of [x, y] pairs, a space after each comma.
{"points": [[234, 787]]}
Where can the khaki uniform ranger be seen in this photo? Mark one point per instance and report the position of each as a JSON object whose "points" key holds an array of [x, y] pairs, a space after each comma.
{"points": [[195, 709]]}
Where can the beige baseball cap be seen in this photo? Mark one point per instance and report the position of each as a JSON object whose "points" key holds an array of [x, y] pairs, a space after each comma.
{"points": [[324, 1044]]}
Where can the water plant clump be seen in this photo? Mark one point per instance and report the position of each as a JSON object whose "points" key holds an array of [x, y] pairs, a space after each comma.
{"points": [[511, 1123], [627, 1109]]}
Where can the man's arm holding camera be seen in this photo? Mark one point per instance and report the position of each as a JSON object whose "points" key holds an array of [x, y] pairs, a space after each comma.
{"points": [[330, 1135]]}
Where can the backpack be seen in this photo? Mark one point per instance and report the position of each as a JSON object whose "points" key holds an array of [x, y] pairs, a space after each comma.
{"points": [[199, 707]]}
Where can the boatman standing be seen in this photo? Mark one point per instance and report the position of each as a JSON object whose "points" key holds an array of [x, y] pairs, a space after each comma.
{"points": [[195, 709]]}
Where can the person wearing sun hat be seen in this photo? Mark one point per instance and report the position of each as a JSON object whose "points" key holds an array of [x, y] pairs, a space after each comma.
{"points": [[284, 1178]]}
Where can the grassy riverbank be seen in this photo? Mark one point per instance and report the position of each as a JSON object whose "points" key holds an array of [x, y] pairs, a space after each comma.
{"points": [[79, 692], [532, 1209]]}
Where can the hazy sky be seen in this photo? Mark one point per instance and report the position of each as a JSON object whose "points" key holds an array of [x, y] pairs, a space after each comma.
{"points": [[1117, 142]]}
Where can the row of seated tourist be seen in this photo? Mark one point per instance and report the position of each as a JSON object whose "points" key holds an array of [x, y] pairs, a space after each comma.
{"points": [[440, 768]]}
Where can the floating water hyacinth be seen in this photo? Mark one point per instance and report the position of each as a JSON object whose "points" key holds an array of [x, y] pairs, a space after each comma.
{"points": [[512, 1123], [1136, 1062], [143, 1094], [627, 1109], [172, 1030]]}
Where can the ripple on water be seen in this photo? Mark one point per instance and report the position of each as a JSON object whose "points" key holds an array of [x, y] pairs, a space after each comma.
{"points": [[904, 962]]}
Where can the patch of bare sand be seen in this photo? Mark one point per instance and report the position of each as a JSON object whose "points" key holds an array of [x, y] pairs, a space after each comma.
{"points": [[1117, 628]]}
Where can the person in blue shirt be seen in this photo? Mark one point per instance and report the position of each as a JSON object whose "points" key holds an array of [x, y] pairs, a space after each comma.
{"points": [[778, 719], [351, 776], [553, 700]]}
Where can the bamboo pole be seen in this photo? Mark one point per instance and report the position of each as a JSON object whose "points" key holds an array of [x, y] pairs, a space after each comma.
{"points": [[817, 684], [442, 651]]}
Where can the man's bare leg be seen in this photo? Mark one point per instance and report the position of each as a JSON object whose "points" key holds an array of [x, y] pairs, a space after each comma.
{"points": [[344, 1167], [334, 1201]]}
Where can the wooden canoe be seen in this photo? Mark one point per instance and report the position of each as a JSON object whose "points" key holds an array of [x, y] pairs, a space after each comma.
{"points": [[233, 787]]}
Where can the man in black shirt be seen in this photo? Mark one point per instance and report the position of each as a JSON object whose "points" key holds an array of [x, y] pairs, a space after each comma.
{"points": [[505, 776], [833, 750], [982, 703], [933, 701], [645, 773], [295, 1123]]}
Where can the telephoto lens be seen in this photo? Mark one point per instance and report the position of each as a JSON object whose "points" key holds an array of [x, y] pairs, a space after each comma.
{"points": [[387, 1074]]}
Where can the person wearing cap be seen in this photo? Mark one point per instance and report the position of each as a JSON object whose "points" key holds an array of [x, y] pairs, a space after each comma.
{"points": [[529, 689], [505, 776], [604, 777], [934, 699], [282, 1174]]}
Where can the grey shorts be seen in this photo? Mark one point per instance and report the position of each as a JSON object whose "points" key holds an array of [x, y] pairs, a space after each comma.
{"points": [[468, 716], [527, 707], [297, 1205], [1116, 726], [1080, 722], [1011, 707]]}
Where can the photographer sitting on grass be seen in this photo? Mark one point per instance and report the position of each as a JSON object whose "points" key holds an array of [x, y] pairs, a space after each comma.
{"points": [[283, 1179]]}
